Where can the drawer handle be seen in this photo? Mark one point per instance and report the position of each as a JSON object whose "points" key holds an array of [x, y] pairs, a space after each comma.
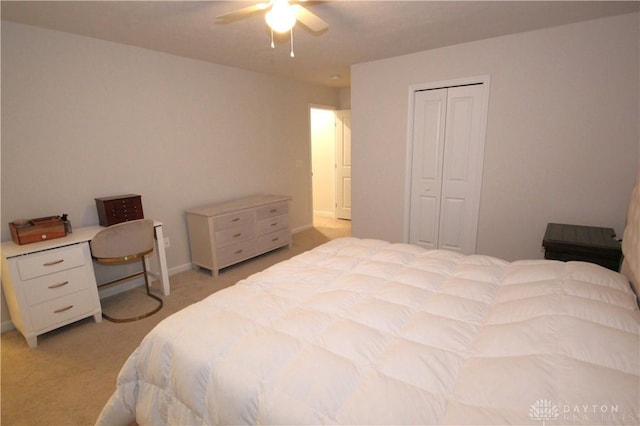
{"points": [[237, 235], [239, 251], [275, 239], [57, 311], [236, 219], [55, 262], [58, 285]]}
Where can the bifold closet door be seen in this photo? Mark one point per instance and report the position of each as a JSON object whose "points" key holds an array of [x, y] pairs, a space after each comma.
{"points": [[447, 157]]}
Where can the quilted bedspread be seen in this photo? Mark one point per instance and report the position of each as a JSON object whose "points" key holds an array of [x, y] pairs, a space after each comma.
{"points": [[367, 332]]}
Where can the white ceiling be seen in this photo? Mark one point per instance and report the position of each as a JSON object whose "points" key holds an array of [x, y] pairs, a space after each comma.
{"points": [[359, 31]]}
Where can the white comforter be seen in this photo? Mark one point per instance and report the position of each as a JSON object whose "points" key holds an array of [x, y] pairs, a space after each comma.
{"points": [[367, 332]]}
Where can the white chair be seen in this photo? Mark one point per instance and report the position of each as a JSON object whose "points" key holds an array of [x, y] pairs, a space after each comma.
{"points": [[126, 242]]}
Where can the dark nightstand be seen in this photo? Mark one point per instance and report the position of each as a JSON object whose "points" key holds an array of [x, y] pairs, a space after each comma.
{"points": [[584, 243]]}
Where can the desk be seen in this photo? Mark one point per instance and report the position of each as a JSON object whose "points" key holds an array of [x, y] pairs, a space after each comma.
{"points": [[52, 283], [82, 235]]}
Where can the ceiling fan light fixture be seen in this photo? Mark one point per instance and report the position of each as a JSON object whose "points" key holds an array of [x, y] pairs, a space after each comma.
{"points": [[282, 16]]}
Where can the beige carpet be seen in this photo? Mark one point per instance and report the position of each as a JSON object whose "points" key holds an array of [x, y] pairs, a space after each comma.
{"points": [[69, 377]]}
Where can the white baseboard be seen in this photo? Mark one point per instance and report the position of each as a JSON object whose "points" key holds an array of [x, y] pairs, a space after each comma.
{"points": [[323, 213], [180, 268], [301, 228], [6, 326]]}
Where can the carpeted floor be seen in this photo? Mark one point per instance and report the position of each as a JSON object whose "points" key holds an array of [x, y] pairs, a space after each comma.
{"points": [[68, 378]]}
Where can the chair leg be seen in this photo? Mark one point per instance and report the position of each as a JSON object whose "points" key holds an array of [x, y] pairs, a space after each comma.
{"points": [[146, 314]]}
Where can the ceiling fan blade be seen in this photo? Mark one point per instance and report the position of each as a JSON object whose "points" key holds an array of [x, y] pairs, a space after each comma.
{"points": [[242, 13], [309, 19]]}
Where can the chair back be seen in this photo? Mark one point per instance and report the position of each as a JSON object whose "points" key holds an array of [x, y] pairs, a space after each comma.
{"points": [[123, 240]]}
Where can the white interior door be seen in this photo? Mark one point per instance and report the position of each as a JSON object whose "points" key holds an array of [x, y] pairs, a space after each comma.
{"points": [[447, 158], [343, 164]]}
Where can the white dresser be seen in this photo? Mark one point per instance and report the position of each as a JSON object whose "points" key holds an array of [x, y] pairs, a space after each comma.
{"points": [[48, 288], [226, 233]]}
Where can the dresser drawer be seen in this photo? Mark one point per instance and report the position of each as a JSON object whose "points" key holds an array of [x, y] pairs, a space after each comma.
{"points": [[273, 240], [53, 286], [271, 210], [272, 224], [51, 261], [234, 235], [232, 220], [61, 310], [236, 253]]}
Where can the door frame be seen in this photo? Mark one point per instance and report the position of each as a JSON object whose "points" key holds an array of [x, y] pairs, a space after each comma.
{"points": [[485, 80], [333, 109]]}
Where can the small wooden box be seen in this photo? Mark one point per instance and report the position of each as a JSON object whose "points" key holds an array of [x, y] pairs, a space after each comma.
{"points": [[35, 230], [119, 208]]}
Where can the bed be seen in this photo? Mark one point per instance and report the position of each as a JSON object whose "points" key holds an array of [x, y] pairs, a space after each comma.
{"points": [[361, 331]]}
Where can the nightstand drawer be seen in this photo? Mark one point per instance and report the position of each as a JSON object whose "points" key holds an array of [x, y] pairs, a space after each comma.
{"points": [[53, 286], [50, 261]]}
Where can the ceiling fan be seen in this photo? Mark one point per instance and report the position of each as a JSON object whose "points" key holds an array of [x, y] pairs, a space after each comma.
{"points": [[281, 16]]}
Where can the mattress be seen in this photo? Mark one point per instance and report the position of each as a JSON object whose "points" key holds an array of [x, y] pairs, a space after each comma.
{"points": [[363, 331]]}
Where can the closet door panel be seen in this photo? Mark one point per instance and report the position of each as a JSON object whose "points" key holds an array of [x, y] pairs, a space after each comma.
{"points": [[427, 233], [427, 156], [459, 117], [451, 228], [462, 169]]}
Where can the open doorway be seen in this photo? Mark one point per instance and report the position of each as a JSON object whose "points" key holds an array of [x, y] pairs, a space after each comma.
{"points": [[331, 166]]}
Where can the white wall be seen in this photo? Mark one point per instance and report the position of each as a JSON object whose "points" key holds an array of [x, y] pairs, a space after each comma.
{"points": [[562, 136], [84, 118], [345, 98]]}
